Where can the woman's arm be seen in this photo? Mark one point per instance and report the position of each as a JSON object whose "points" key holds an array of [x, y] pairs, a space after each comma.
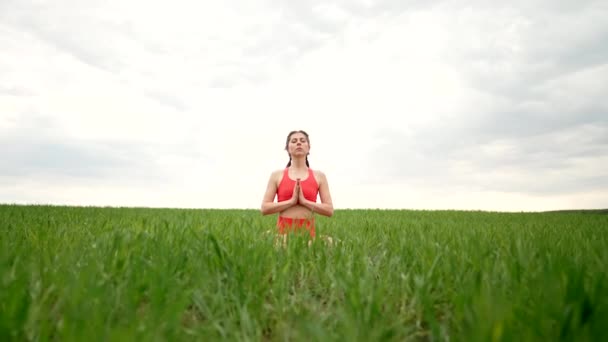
{"points": [[268, 204]]}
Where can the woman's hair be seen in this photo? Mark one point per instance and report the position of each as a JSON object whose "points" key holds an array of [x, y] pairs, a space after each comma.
{"points": [[287, 144]]}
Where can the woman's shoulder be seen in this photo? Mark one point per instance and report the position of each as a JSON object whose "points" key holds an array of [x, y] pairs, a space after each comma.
{"points": [[319, 175], [277, 174]]}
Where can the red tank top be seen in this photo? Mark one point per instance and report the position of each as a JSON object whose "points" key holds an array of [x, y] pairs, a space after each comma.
{"points": [[309, 186]]}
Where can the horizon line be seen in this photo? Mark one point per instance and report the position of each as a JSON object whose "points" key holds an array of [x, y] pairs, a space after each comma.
{"points": [[335, 209]]}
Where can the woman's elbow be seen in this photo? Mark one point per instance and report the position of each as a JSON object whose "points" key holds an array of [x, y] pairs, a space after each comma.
{"points": [[265, 210]]}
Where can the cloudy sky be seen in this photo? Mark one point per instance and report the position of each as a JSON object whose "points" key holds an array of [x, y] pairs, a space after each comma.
{"points": [[468, 105]]}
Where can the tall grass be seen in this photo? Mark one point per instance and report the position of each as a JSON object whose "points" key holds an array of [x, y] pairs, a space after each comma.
{"points": [[84, 273]]}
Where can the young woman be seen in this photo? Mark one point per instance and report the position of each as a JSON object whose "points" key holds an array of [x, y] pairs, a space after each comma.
{"points": [[296, 188]]}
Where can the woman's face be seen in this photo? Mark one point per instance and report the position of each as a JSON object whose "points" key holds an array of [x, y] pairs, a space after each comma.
{"points": [[298, 145]]}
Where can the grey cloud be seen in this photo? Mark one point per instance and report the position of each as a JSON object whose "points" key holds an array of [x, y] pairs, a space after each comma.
{"points": [[167, 99], [303, 27], [559, 186], [448, 156], [527, 46], [307, 11], [223, 82], [302, 12], [35, 149], [31, 123], [300, 29], [60, 159], [286, 42], [513, 122], [85, 37], [547, 6], [551, 86], [16, 91], [556, 150], [391, 7]]}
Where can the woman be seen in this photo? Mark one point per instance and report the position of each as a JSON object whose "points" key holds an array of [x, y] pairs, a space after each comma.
{"points": [[296, 188]]}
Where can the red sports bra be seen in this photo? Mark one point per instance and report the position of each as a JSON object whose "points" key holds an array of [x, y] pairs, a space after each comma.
{"points": [[309, 186]]}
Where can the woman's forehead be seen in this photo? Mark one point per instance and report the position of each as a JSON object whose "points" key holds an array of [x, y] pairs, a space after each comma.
{"points": [[298, 136]]}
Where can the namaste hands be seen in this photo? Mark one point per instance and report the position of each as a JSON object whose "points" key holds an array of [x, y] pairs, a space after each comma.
{"points": [[298, 196]]}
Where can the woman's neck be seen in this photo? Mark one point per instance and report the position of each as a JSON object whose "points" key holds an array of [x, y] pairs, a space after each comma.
{"points": [[298, 163]]}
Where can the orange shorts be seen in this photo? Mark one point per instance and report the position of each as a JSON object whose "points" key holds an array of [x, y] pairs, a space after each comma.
{"points": [[287, 224]]}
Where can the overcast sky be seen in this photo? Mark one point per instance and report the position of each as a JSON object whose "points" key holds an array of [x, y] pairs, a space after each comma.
{"points": [[454, 105]]}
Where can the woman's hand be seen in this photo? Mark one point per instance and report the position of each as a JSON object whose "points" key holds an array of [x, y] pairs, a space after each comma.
{"points": [[295, 197], [301, 198]]}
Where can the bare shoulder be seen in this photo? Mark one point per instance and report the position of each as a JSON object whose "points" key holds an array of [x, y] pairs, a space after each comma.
{"points": [[276, 175], [319, 176]]}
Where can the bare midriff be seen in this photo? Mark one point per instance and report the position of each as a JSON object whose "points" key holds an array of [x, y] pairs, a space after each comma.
{"points": [[297, 211]]}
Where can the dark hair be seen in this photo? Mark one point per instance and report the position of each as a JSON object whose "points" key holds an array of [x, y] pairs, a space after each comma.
{"points": [[287, 144]]}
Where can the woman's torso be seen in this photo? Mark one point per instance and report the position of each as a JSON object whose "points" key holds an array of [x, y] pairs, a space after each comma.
{"points": [[285, 185]]}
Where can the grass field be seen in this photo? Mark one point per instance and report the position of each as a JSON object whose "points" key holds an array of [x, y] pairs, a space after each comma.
{"points": [[112, 274]]}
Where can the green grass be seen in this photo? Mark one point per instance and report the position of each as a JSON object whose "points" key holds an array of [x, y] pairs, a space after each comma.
{"points": [[113, 274]]}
